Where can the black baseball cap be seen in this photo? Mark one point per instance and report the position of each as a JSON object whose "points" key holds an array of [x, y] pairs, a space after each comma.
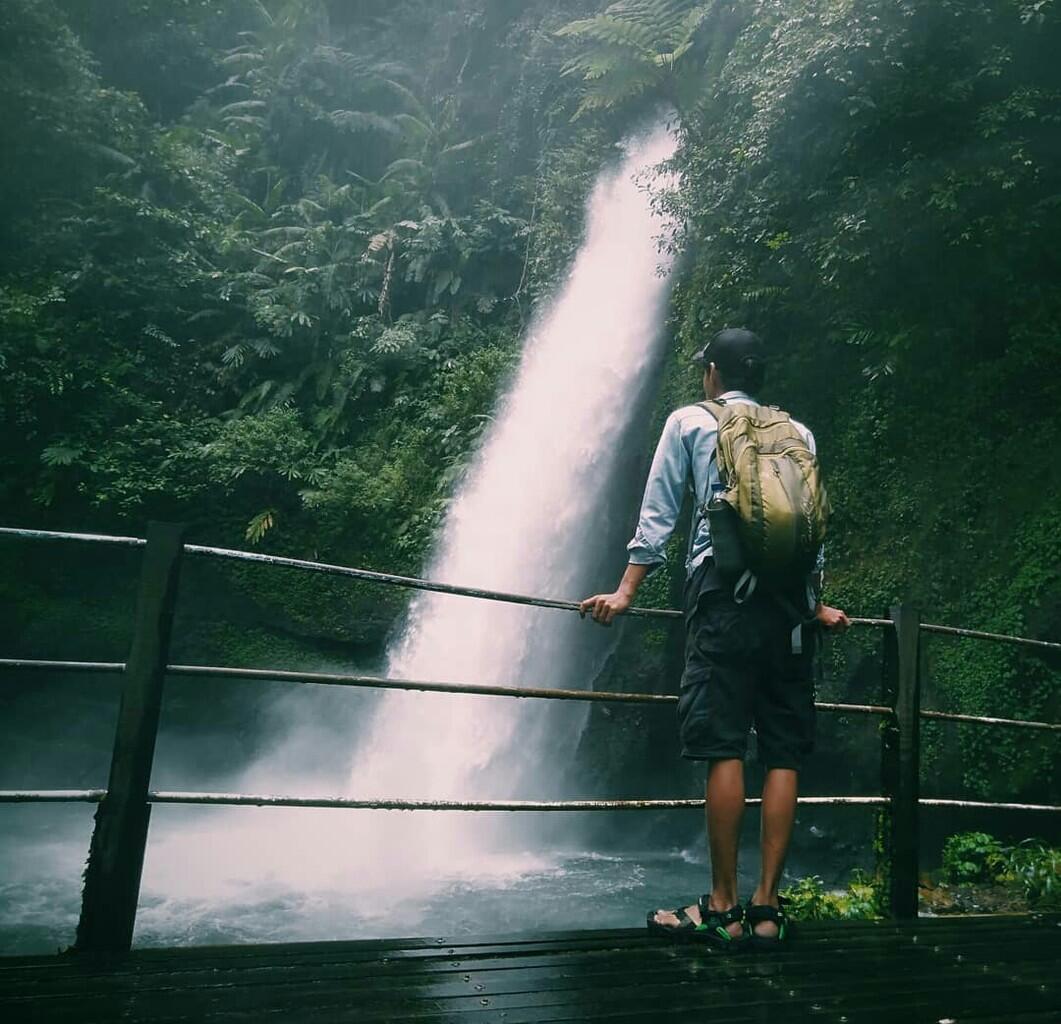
{"points": [[732, 349]]}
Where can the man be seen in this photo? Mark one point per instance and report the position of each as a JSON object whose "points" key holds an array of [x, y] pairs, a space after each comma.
{"points": [[744, 661]]}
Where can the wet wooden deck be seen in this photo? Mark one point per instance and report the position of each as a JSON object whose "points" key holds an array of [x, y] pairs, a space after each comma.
{"points": [[1001, 969]]}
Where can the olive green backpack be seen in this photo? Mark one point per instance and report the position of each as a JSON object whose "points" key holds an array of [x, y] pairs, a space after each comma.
{"points": [[770, 519]]}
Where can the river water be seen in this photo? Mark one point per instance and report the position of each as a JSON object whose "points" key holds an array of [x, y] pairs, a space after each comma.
{"points": [[213, 899]]}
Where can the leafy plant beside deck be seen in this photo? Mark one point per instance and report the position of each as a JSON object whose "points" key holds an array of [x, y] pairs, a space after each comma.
{"points": [[1032, 866], [809, 899]]}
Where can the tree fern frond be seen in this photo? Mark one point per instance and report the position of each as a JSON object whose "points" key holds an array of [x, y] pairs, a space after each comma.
{"points": [[635, 46], [260, 525], [233, 356], [363, 121], [382, 240], [764, 293], [285, 249], [416, 125], [405, 165], [460, 147], [111, 154], [241, 107], [265, 347], [287, 231], [662, 17], [612, 31], [379, 205], [411, 100], [244, 58], [613, 89], [391, 70], [254, 122], [340, 58]]}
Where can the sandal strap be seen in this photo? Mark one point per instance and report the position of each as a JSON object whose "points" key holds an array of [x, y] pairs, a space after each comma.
{"points": [[758, 912], [734, 915]]}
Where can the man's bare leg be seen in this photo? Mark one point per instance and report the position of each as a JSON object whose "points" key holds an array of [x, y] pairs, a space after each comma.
{"points": [[779, 814], [725, 809]]}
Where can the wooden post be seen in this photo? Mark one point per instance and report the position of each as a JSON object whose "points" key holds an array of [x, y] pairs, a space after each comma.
{"points": [[116, 854], [883, 844], [898, 834]]}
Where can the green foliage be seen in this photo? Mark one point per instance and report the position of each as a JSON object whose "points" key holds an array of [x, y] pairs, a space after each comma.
{"points": [[269, 269], [1032, 865], [973, 857], [809, 900], [1036, 867], [264, 265], [638, 48], [867, 184]]}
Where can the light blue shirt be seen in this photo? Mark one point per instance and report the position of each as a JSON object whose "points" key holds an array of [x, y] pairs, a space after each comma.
{"points": [[685, 459]]}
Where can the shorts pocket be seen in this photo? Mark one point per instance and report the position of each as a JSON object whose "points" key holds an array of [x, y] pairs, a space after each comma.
{"points": [[693, 717], [719, 628]]}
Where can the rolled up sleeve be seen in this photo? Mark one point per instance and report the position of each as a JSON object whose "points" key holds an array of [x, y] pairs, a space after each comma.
{"points": [[662, 502], [819, 561]]}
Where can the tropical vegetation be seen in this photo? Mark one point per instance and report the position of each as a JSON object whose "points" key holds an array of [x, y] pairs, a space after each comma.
{"points": [[265, 266]]}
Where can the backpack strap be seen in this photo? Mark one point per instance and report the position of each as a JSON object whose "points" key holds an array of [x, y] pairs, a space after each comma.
{"points": [[713, 407], [707, 404], [745, 587], [701, 506]]}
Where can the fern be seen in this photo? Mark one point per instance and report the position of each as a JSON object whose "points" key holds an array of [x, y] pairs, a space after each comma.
{"points": [[355, 121], [260, 525], [636, 47], [60, 455], [240, 107]]}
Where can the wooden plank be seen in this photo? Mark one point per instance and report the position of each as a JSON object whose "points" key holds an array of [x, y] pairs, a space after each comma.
{"points": [[834, 934], [84, 974], [990, 961], [633, 994], [442, 945], [116, 853], [862, 983], [451, 982], [191, 958], [736, 997], [376, 975]]}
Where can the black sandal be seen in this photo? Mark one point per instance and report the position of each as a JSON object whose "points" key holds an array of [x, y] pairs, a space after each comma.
{"points": [[711, 929], [758, 913]]}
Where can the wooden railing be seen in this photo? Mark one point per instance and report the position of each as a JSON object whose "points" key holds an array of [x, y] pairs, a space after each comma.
{"points": [[119, 838]]}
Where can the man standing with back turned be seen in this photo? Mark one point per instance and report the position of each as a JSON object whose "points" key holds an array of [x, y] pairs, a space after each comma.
{"points": [[748, 655]]}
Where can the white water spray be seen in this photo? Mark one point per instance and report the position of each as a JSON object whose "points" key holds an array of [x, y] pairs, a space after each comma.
{"points": [[533, 517]]}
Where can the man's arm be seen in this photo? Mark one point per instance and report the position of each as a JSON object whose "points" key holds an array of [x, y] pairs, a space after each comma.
{"points": [[829, 618], [604, 607], [660, 508]]}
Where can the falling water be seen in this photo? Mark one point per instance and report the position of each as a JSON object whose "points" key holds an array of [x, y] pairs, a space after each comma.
{"points": [[544, 511], [534, 516]]}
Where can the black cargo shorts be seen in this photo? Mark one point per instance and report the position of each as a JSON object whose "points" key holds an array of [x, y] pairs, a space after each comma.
{"points": [[740, 671]]}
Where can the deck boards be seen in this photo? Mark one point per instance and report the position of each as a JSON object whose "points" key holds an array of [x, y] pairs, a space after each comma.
{"points": [[985, 969]]}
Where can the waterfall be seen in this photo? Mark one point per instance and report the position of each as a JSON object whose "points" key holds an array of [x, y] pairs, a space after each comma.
{"points": [[545, 510], [534, 516]]}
